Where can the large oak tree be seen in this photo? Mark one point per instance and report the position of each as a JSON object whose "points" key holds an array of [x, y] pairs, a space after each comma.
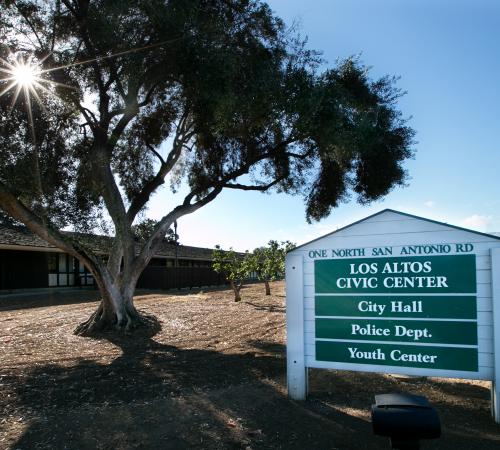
{"points": [[204, 95]]}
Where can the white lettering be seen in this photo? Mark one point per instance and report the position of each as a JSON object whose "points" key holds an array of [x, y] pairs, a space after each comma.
{"points": [[401, 307], [397, 355], [415, 282], [414, 333], [363, 268], [369, 330], [367, 306], [352, 283], [357, 354]]}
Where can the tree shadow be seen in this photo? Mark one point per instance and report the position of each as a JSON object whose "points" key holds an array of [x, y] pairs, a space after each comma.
{"points": [[269, 307], [183, 291], [156, 395], [42, 299], [160, 396], [463, 408], [64, 296], [268, 346]]}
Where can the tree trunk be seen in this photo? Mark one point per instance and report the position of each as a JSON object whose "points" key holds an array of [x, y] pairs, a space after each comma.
{"points": [[268, 288], [115, 312], [236, 289]]}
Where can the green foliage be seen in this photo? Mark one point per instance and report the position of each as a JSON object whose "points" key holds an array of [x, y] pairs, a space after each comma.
{"points": [[145, 229], [269, 262], [224, 80], [232, 265]]}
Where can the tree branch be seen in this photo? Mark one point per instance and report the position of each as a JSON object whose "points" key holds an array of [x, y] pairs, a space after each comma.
{"points": [[299, 155], [69, 6], [57, 11], [242, 170], [14, 207], [152, 244], [119, 129], [89, 117], [148, 97], [85, 38], [147, 100], [256, 187], [115, 259], [115, 78], [152, 149], [179, 143], [28, 21], [109, 190]]}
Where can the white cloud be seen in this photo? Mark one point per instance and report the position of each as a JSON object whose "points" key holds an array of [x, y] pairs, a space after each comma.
{"points": [[477, 221], [430, 204]]}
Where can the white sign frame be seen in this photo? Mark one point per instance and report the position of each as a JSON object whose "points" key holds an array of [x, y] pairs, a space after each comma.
{"points": [[298, 287]]}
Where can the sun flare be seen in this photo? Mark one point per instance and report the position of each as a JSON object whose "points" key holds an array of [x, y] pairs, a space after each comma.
{"points": [[25, 74], [20, 76]]}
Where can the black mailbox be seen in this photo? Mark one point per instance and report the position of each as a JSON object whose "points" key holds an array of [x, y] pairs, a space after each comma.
{"points": [[405, 418]]}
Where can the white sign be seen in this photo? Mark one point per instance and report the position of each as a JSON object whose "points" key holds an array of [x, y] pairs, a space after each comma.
{"points": [[395, 293]]}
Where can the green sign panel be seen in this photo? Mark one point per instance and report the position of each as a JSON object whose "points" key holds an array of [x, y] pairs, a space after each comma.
{"points": [[419, 274], [417, 331], [415, 311], [446, 358], [418, 307]]}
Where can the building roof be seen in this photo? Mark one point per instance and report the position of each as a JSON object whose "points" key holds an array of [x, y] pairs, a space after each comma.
{"points": [[491, 235], [23, 239]]}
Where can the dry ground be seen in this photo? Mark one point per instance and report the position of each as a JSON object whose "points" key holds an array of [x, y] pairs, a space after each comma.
{"points": [[213, 376]]}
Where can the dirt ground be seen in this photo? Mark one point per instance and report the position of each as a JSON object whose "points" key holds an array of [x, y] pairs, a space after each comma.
{"points": [[212, 376]]}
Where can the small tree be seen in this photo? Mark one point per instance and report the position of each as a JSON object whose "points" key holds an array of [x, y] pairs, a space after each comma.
{"points": [[269, 262], [233, 266]]}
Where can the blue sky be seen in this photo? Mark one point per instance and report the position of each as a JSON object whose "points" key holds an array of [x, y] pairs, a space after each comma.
{"points": [[447, 53]]}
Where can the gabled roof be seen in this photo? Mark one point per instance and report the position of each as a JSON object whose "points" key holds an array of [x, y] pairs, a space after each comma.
{"points": [[20, 236], [402, 214]]}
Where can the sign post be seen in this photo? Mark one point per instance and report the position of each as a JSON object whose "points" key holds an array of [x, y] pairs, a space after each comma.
{"points": [[296, 368], [495, 285]]}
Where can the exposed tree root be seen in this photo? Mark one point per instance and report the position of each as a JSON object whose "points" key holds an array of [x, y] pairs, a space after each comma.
{"points": [[101, 322]]}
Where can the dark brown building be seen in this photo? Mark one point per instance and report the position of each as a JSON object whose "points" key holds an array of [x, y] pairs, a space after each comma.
{"points": [[27, 262]]}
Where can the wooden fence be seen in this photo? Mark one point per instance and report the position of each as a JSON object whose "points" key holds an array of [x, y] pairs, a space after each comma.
{"points": [[179, 277]]}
